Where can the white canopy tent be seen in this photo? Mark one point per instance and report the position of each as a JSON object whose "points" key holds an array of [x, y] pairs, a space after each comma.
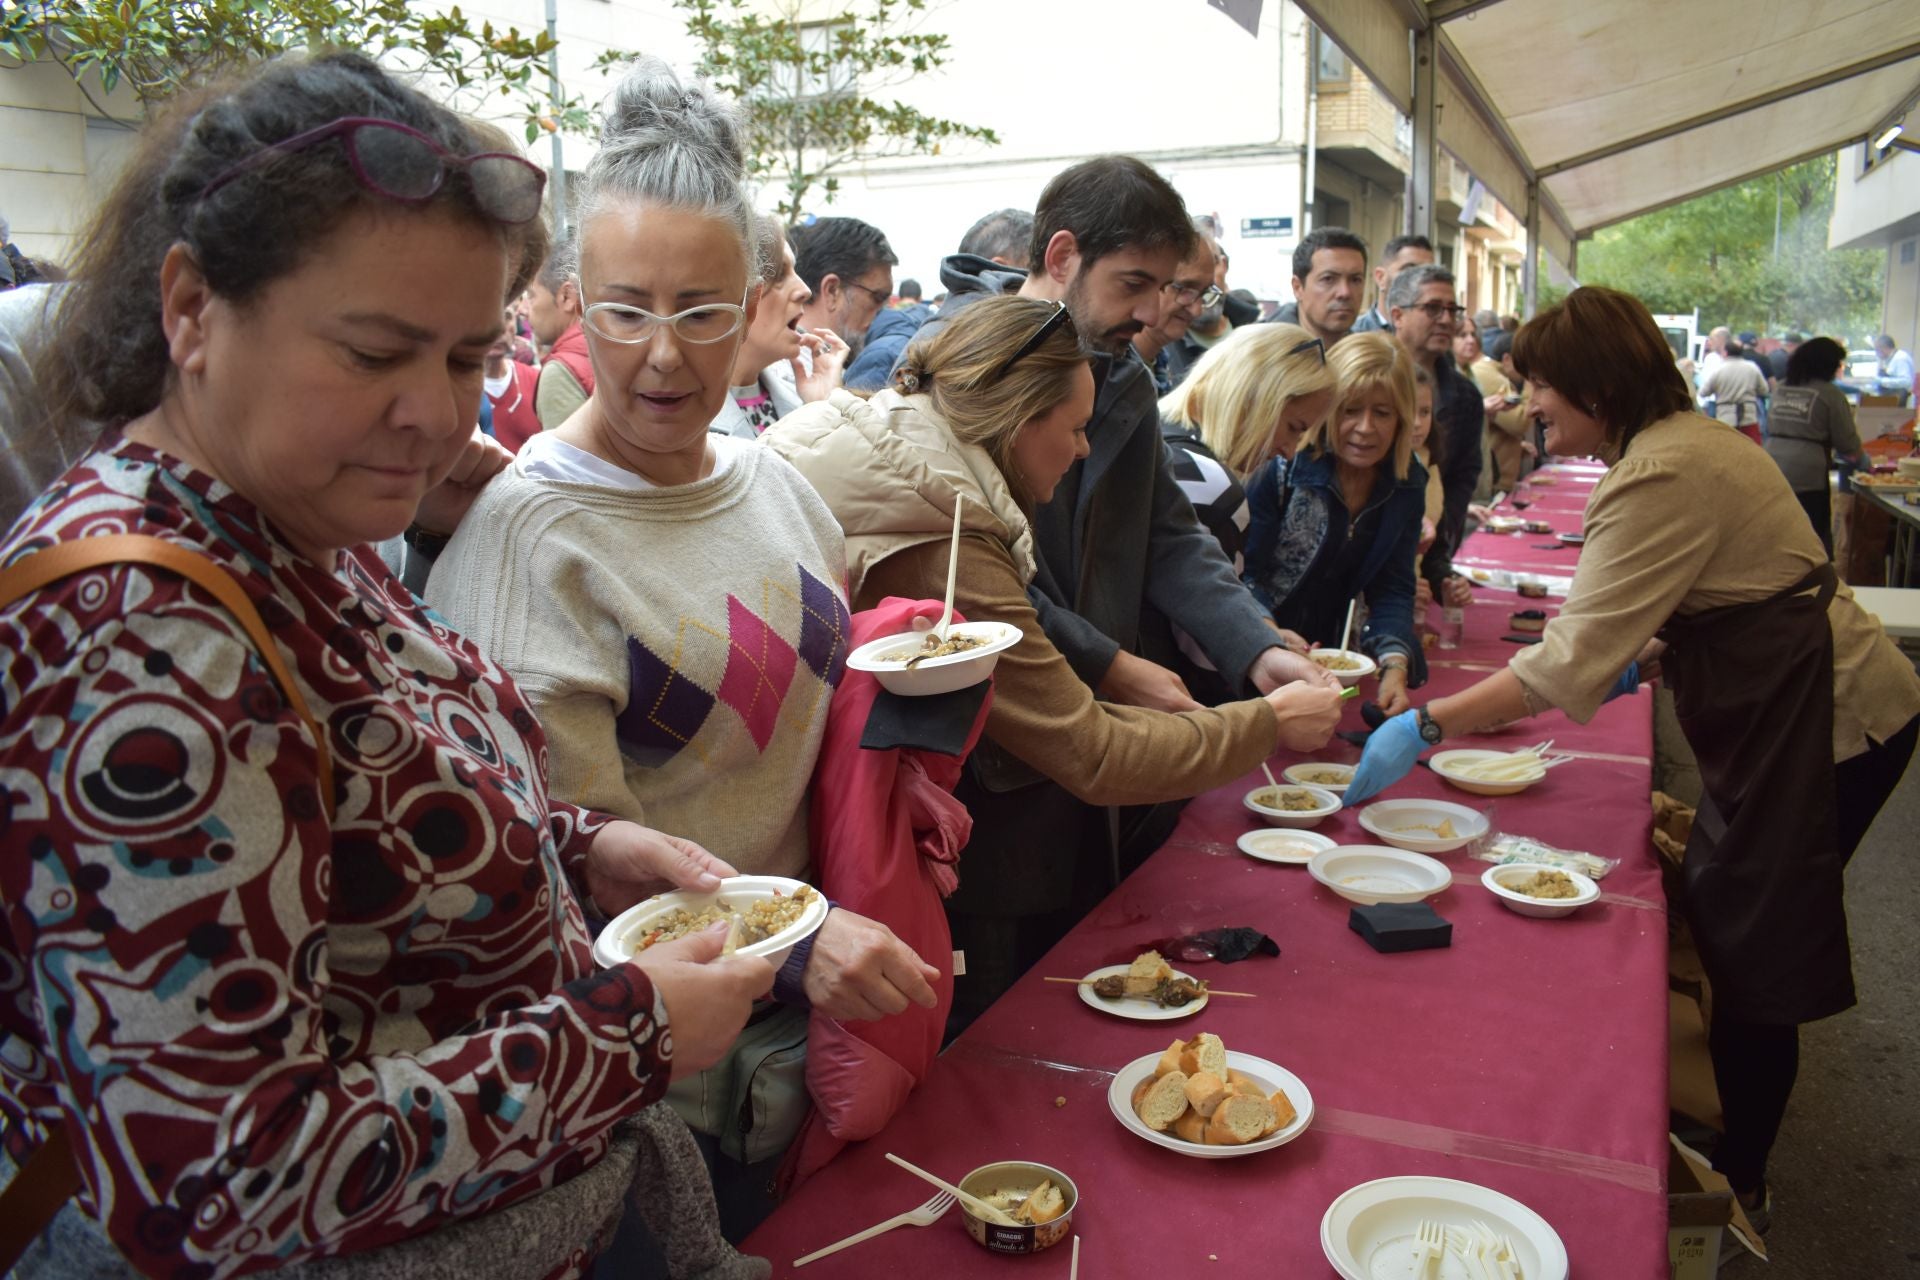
{"points": [[1588, 112]]}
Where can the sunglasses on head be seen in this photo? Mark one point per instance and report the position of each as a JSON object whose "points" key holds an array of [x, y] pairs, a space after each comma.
{"points": [[401, 163], [1309, 345], [1031, 345]]}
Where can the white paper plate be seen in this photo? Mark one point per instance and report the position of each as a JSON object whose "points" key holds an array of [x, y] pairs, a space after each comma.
{"points": [[1349, 678], [1445, 763], [1497, 878], [1371, 873], [1138, 1008], [935, 675], [1368, 1232], [1395, 821], [1296, 818], [1261, 845], [1292, 774], [616, 943], [1271, 1076]]}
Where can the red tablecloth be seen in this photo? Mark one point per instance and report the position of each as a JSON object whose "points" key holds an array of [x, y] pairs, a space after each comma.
{"points": [[1530, 1056]]}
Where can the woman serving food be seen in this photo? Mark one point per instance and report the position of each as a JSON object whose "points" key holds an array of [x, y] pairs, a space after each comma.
{"points": [[1700, 563]]}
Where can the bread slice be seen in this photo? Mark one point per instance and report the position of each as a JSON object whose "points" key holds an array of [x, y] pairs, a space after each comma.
{"points": [[1240, 1119], [1283, 1112], [1205, 1052], [1170, 1060], [1148, 970], [1164, 1102], [1241, 1082], [1043, 1205], [1191, 1127], [1140, 1092], [1205, 1092]]}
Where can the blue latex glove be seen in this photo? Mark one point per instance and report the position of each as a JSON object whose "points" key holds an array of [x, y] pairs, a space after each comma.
{"points": [[1390, 753], [1629, 682]]}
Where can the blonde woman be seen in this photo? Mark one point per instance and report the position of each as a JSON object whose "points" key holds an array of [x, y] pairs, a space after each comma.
{"points": [[1252, 397], [1343, 520], [993, 409]]}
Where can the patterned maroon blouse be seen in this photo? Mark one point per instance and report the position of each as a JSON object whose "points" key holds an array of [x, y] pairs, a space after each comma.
{"points": [[271, 1037]]}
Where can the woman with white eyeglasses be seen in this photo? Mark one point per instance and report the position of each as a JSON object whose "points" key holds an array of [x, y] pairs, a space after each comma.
{"points": [[672, 599]]}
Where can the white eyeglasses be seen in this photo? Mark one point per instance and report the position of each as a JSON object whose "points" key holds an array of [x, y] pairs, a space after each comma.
{"points": [[631, 326]]}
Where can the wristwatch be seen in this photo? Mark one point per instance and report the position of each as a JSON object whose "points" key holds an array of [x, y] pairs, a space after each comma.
{"points": [[1429, 728]]}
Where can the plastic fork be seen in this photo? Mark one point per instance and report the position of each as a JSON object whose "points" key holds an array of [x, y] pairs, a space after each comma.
{"points": [[925, 1216], [1432, 1243]]}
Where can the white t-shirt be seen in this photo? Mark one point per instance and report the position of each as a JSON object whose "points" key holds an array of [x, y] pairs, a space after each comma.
{"points": [[549, 458]]}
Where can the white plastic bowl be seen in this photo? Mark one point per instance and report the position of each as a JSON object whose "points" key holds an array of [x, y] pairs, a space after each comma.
{"points": [[617, 942], [1293, 771], [1447, 765], [1277, 846], [882, 659], [1496, 879], [1371, 873], [1297, 818], [1348, 678], [1394, 821], [1271, 1076], [1370, 1230]]}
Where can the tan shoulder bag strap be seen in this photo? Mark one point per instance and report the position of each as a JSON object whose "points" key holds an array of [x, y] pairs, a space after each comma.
{"points": [[50, 1176]]}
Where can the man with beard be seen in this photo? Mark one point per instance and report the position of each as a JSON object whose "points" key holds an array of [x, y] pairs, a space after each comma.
{"points": [[848, 265], [1170, 345], [1329, 279], [1118, 535]]}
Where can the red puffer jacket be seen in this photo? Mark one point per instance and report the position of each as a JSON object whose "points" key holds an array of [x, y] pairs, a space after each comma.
{"points": [[886, 833]]}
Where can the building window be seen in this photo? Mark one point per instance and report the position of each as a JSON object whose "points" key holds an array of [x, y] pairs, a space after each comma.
{"points": [[1330, 63], [1906, 252], [820, 74]]}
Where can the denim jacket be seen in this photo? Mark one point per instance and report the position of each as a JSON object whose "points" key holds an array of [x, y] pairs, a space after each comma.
{"points": [[1293, 513]]}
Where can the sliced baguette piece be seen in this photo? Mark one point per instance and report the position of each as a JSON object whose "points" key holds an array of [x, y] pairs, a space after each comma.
{"points": [[1148, 970], [1238, 1120], [1045, 1204], [1170, 1060], [1283, 1111], [1165, 1101], [1247, 1085], [1205, 1052], [1205, 1092], [1191, 1127]]}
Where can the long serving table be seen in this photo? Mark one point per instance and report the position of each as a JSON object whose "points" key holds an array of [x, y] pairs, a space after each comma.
{"points": [[1530, 1056]]}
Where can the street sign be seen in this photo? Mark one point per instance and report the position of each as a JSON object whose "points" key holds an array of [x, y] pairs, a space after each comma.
{"points": [[1253, 228]]}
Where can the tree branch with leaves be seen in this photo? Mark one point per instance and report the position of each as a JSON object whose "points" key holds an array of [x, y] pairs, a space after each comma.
{"points": [[815, 92], [157, 49]]}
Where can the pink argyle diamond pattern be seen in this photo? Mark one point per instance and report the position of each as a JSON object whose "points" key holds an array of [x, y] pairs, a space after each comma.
{"points": [[760, 667]]}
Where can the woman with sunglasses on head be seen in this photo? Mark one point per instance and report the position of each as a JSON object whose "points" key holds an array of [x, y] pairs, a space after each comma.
{"points": [[292, 960], [990, 413], [1250, 398], [671, 597], [1343, 520], [1801, 711]]}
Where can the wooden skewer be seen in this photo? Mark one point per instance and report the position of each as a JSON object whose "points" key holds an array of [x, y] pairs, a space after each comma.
{"points": [[1212, 991]]}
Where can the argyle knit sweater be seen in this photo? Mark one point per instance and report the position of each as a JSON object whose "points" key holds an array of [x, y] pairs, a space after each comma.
{"points": [[680, 645]]}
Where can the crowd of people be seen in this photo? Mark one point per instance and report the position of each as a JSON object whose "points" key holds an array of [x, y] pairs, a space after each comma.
{"points": [[482, 585]]}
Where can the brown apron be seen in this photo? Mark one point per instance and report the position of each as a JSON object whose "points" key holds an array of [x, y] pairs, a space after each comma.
{"points": [[1753, 686]]}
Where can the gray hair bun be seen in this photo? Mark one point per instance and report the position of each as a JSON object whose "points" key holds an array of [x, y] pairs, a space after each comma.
{"points": [[651, 110], [673, 144]]}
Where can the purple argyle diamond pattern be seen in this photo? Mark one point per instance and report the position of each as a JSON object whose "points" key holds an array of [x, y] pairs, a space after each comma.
{"points": [[664, 709], [824, 625]]}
